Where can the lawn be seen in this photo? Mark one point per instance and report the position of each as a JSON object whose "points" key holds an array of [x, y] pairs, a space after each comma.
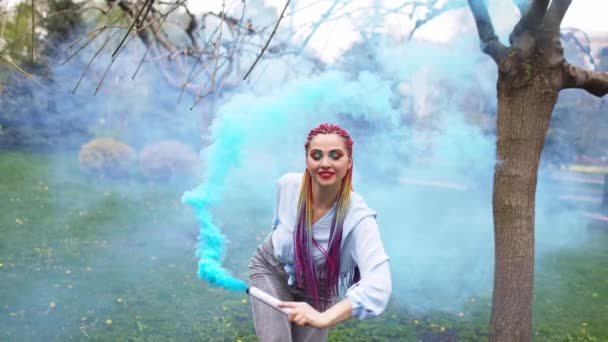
{"points": [[83, 258]]}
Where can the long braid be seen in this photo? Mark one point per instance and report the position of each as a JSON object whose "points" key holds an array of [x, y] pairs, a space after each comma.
{"points": [[321, 285], [304, 258]]}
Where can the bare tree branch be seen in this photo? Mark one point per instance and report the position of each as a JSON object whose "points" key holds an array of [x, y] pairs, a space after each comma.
{"points": [[149, 19], [19, 69], [489, 41], [137, 20], [269, 39], [585, 47], [33, 31], [555, 14], [192, 26], [80, 11], [216, 56], [324, 17], [108, 38], [532, 18], [192, 75], [522, 5], [433, 13], [236, 47], [594, 82]]}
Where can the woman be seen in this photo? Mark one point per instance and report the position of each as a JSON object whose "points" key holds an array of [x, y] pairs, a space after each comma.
{"points": [[324, 239]]}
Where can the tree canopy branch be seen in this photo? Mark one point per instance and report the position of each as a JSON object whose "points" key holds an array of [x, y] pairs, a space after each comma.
{"points": [[532, 18], [33, 30], [269, 39], [555, 14], [522, 5], [433, 12], [594, 82], [583, 44], [489, 41]]}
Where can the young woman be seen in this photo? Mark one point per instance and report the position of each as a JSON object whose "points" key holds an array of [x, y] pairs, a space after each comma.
{"points": [[324, 240]]}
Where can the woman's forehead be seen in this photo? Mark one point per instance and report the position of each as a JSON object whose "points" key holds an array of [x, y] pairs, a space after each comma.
{"points": [[327, 142]]}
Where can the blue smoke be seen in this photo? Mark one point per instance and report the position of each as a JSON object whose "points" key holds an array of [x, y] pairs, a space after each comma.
{"points": [[424, 158], [210, 250], [248, 126]]}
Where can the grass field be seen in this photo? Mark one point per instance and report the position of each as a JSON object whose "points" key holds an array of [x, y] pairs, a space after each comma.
{"points": [[83, 258]]}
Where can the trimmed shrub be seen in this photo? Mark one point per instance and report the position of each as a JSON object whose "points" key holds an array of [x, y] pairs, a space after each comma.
{"points": [[107, 157], [167, 159]]}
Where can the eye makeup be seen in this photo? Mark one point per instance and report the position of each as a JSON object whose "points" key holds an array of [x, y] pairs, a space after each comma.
{"points": [[333, 154]]}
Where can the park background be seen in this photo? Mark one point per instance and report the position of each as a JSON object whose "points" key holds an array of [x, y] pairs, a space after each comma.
{"points": [[96, 153]]}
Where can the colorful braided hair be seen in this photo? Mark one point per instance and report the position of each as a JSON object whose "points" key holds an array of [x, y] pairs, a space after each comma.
{"points": [[322, 285]]}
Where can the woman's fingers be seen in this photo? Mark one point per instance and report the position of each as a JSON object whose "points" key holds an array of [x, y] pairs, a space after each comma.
{"points": [[300, 312], [287, 304], [297, 317], [302, 321]]}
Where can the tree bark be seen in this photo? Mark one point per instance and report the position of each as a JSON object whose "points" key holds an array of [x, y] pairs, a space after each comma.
{"points": [[531, 73], [525, 102]]}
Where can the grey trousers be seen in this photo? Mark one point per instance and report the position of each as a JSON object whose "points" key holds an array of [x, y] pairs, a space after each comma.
{"points": [[267, 274]]}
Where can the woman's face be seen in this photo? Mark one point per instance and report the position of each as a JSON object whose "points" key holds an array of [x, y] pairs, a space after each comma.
{"points": [[327, 159]]}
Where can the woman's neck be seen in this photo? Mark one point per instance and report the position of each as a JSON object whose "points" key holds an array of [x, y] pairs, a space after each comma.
{"points": [[324, 197]]}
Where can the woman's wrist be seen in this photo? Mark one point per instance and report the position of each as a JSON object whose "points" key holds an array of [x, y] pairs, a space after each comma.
{"points": [[338, 313], [328, 319]]}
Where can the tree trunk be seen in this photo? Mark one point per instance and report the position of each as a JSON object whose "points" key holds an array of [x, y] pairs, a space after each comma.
{"points": [[525, 103]]}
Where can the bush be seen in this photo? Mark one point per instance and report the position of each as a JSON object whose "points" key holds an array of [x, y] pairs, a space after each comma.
{"points": [[167, 159], [107, 157]]}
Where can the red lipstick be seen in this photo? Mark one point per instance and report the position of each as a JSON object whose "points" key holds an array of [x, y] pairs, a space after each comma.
{"points": [[326, 174]]}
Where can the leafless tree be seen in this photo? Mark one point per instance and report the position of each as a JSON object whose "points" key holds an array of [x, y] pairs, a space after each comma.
{"points": [[184, 60], [531, 72], [220, 49]]}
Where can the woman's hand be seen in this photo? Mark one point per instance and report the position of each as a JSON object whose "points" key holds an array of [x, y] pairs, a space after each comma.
{"points": [[301, 313]]}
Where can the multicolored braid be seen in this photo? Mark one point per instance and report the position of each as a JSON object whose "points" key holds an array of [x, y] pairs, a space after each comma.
{"points": [[322, 285]]}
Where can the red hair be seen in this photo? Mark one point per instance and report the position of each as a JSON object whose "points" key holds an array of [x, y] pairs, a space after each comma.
{"points": [[327, 128], [322, 284]]}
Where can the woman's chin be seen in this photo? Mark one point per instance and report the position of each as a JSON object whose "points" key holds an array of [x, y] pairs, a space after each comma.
{"points": [[326, 182]]}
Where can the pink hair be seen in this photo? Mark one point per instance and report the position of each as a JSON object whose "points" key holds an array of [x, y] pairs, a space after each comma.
{"points": [[322, 285], [327, 128]]}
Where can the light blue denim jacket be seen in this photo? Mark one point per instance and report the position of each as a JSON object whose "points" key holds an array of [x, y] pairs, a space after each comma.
{"points": [[361, 246]]}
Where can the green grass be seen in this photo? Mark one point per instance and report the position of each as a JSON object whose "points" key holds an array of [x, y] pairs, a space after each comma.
{"points": [[83, 258]]}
